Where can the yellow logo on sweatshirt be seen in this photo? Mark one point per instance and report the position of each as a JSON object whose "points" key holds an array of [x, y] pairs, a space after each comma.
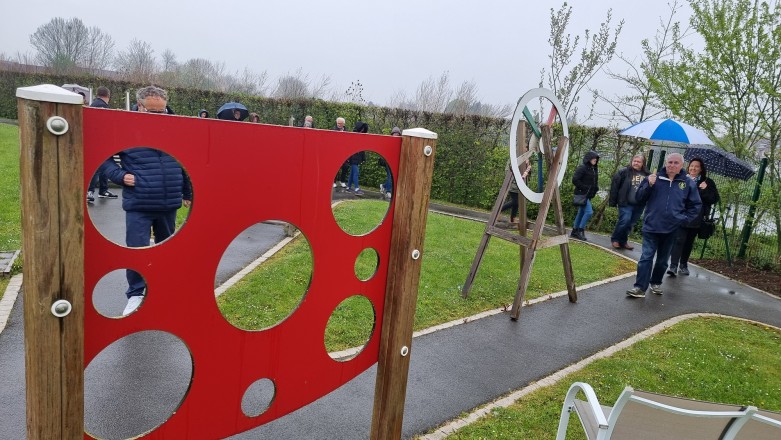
{"points": [[682, 185]]}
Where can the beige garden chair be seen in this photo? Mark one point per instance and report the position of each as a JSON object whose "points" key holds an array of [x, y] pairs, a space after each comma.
{"points": [[638, 415]]}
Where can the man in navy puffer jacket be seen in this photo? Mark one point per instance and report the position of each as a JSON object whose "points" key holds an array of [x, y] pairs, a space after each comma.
{"points": [[154, 187], [671, 200]]}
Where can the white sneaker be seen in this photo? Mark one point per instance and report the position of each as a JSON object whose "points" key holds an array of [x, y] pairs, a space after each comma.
{"points": [[344, 185], [382, 188], [334, 184], [132, 304]]}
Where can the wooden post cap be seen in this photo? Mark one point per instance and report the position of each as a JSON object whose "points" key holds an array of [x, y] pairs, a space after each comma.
{"points": [[419, 133], [49, 93]]}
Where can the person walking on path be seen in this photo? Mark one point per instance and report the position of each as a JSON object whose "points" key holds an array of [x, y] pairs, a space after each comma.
{"points": [[386, 188], [586, 181], [341, 175], [356, 160], [155, 186], [623, 194], [671, 200], [99, 179], [684, 241]]}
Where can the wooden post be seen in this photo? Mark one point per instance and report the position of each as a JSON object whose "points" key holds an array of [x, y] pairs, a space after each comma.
{"points": [[53, 246], [411, 195], [551, 190]]}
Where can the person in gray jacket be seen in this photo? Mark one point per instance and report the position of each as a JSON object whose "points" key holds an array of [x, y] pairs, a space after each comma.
{"points": [[623, 194]]}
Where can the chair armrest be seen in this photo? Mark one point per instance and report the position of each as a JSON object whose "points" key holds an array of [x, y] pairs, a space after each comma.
{"points": [[592, 403]]}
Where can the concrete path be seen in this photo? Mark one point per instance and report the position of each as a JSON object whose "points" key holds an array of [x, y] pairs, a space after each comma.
{"points": [[452, 371]]}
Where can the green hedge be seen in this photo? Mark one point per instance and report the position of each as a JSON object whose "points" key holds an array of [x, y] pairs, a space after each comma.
{"points": [[471, 153]]}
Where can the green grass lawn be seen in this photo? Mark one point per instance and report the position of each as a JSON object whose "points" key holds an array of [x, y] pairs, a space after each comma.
{"points": [[743, 367], [274, 289], [10, 204]]}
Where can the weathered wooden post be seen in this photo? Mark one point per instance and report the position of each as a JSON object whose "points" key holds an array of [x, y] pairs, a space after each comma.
{"points": [[50, 131], [416, 166]]}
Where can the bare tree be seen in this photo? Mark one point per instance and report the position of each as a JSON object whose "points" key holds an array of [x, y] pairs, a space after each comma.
{"points": [[247, 82], [168, 61], [565, 79], [400, 100], [640, 103], [299, 85], [433, 95], [137, 63], [99, 51], [354, 93], [197, 73], [63, 45]]}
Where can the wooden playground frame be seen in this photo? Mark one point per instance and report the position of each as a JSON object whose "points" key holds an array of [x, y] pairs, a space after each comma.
{"points": [[53, 215]]}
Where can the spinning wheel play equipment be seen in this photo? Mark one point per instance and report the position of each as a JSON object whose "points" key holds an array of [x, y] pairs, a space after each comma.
{"points": [[520, 152], [63, 143]]}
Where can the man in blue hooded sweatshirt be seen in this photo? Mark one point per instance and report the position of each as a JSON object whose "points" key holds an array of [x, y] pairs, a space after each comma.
{"points": [[671, 200]]}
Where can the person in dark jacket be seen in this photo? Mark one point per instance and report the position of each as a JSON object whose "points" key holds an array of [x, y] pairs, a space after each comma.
{"points": [[671, 200], [586, 183], [386, 188], [154, 187], [99, 179], [623, 191], [203, 114], [687, 233], [356, 160], [341, 175]]}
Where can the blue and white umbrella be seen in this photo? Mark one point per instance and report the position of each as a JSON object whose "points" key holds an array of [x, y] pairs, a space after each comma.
{"points": [[668, 130]]}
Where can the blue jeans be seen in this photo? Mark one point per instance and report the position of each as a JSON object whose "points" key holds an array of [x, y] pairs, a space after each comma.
{"points": [[583, 215], [388, 184], [627, 217], [353, 179], [138, 230], [661, 245]]}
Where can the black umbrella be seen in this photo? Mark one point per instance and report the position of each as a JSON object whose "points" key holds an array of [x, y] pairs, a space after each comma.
{"points": [[226, 111], [719, 161]]}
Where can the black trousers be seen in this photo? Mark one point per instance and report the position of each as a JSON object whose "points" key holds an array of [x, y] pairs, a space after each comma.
{"points": [[512, 204], [684, 242]]}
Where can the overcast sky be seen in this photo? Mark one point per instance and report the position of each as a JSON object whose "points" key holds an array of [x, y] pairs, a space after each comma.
{"points": [[388, 46]]}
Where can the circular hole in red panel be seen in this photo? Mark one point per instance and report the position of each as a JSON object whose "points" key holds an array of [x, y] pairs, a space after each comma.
{"points": [[366, 264], [135, 384], [349, 328], [153, 203], [110, 294], [369, 205], [281, 270], [258, 397]]}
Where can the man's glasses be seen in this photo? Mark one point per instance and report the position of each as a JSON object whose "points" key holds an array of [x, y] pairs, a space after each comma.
{"points": [[152, 111]]}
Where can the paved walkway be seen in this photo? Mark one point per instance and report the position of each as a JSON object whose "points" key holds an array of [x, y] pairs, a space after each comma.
{"points": [[460, 368]]}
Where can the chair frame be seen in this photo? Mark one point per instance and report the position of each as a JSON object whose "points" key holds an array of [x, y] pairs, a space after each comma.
{"points": [[606, 424]]}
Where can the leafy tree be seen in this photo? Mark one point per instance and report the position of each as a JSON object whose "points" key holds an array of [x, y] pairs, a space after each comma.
{"points": [[730, 88], [567, 78], [640, 103]]}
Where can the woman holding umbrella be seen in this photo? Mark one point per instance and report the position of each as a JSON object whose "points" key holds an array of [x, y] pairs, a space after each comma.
{"points": [[687, 233]]}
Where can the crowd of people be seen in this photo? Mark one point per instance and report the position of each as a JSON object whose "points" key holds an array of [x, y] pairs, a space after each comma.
{"points": [[674, 204]]}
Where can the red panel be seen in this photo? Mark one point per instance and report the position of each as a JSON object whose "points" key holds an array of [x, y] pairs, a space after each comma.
{"points": [[238, 171]]}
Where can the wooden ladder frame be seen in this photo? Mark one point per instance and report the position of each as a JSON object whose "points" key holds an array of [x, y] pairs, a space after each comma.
{"points": [[556, 235]]}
